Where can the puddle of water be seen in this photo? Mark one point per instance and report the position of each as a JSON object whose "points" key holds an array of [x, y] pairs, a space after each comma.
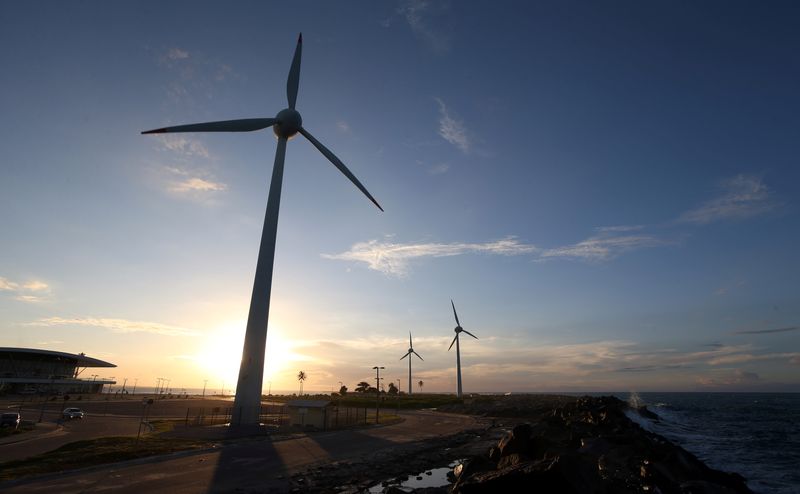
{"points": [[435, 477]]}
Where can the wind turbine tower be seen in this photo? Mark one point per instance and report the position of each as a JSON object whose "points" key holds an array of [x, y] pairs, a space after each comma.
{"points": [[286, 124], [458, 330], [408, 354]]}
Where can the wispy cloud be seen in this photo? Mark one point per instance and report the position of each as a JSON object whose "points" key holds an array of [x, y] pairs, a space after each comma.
{"points": [[601, 247], [343, 126], [439, 169], [451, 129], [187, 177], [422, 17], [177, 54], [393, 258], [188, 147], [116, 325], [743, 196], [196, 184], [768, 331], [31, 291]]}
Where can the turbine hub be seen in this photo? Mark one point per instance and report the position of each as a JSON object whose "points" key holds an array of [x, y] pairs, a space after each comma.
{"points": [[288, 123], [458, 329]]}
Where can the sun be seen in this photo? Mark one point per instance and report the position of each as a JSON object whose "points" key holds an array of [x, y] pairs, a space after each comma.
{"points": [[220, 356]]}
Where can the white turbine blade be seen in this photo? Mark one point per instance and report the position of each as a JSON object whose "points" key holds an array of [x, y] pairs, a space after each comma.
{"points": [[465, 331], [415, 353], [410, 345], [240, 125], [406, 355], [338, 164], [451, 343], [454, 312], [293, 82]]}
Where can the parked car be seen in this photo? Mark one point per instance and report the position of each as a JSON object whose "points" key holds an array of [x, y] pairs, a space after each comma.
{"points": [[10, 419], [73, 413]]}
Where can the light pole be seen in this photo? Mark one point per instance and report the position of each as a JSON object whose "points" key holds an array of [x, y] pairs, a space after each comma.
{"points": [[398, 387], [124, 382], [269, 390], [205, 382], [377, 392], [135, 382]]}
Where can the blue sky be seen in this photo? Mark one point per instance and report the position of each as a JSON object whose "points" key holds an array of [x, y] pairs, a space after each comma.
{"points": [[608, 192]]}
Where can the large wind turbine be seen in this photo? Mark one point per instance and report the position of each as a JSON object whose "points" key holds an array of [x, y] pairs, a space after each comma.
{"points": [[458, 330], [408, 354], [286, 124]]}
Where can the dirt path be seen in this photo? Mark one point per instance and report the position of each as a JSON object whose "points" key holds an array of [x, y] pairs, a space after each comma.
{"points": [[259, 465]]}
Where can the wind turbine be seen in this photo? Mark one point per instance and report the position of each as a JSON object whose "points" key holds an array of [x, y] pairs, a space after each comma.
{"points": [[286, 124], [408, 354], [458, 330]]}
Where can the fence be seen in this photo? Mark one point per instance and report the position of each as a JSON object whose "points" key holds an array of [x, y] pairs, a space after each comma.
{"points": [[277, 415]]}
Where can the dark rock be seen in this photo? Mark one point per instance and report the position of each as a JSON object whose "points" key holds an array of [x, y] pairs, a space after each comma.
{"points": [[516, 441]]}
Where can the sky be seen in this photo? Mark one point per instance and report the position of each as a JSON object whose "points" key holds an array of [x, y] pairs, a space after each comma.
{"points": [[607, 191]]}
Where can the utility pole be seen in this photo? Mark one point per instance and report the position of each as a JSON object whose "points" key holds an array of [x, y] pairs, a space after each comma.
{"points": [[398, 387], [269, 391], [205, 381], [378, 392], [135, 382], [122, 393]]}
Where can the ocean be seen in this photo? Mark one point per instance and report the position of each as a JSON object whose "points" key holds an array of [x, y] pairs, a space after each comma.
{"points": [[756, 435]]}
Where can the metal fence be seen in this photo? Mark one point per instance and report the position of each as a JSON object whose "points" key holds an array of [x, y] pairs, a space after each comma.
{"points": [[277, 415]]}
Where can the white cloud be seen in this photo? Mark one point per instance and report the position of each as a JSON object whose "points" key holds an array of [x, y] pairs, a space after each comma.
{"points": [[439, 169], [601, 247], [116, 325], [742, 197], [8, 285], [177, 54], [343, 126], [196, 184], [32, 291], [184, 146], [393, 258], [419, 14], [452, 130]]}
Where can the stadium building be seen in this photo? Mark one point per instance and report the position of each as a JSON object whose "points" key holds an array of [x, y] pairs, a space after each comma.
{"points": [[31, 371]]}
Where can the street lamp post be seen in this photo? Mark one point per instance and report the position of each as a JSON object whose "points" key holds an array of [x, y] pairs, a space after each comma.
{"points": [[377, 392], [135, 382], [205, 382]]}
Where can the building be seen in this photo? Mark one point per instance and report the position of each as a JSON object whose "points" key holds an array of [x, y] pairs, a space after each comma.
{"points": [[31, 371], [310, 413]]}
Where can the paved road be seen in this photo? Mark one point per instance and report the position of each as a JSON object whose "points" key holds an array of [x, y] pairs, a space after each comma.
{"points": [[255, 465], [68, 431]]}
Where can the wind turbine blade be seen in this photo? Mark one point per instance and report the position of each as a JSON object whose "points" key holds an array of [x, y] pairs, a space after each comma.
{"points": [[465, 331], [454, 312], [415, 353], [293, 82], [410, 345], [451, 343], [240, 125], [338, 164], [406, 355]]}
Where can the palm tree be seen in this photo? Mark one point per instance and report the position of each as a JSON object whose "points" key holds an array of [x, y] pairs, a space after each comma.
{"points": [[420, 383], [301, 376], [362, 387]]}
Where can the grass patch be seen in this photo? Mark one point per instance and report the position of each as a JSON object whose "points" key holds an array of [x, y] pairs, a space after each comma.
{"points": [[81, 454]]}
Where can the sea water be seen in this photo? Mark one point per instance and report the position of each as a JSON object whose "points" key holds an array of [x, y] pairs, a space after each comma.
{"points": [[756, 435]]}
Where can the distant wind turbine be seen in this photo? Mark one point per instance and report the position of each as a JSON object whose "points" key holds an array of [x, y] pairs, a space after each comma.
{"points": [[458, 330], [408, 354], [286, 124]]}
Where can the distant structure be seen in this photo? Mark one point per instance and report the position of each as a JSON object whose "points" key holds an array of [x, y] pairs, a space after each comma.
{"points": [[408, 354], [32, 371], [458, 329]]}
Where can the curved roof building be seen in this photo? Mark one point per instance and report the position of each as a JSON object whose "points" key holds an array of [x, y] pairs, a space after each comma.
{"points": [[29, 370]]}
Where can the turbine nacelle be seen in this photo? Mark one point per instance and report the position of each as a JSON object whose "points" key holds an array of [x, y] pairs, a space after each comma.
{"points": [[458, 329], [288, 123]]}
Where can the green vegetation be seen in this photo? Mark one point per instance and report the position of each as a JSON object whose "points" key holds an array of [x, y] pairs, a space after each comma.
{"points": [[81, 454], [367, 400]]}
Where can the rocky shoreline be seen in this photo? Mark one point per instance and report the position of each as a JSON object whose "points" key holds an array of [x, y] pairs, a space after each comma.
{"points": [[536, 444]]}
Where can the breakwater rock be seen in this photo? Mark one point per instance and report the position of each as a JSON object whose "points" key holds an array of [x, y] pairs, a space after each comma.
{"points": [[589, 446]]}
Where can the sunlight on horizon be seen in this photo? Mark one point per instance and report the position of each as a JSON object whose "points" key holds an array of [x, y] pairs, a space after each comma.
{"points": [[221, 354]]}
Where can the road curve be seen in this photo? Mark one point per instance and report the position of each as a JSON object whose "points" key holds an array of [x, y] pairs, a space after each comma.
{"points": [[253, 465]]}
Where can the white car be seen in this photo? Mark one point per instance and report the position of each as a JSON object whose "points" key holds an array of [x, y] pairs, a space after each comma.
{"points": [[73, 413]]}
